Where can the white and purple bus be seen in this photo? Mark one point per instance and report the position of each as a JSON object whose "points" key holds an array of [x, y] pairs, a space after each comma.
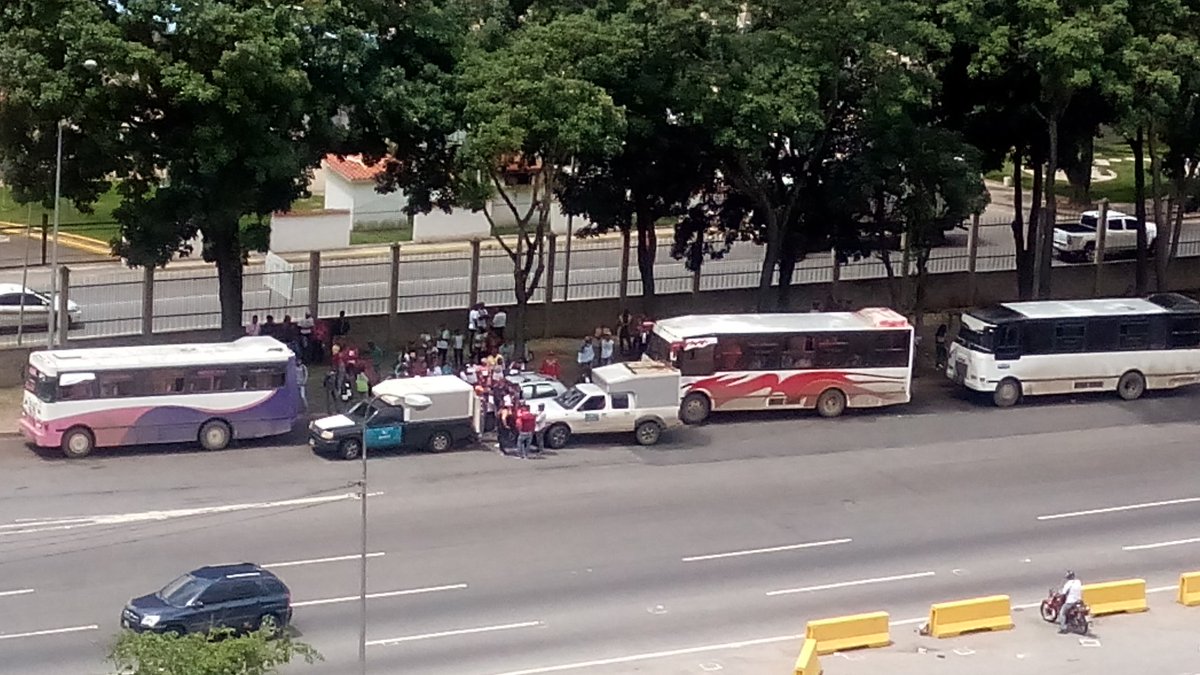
{"points": [[82, 399]]}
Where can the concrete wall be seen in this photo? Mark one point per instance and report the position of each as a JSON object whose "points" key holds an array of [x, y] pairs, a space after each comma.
{"points": [[303, 232], [458, 225], [369, 209]]}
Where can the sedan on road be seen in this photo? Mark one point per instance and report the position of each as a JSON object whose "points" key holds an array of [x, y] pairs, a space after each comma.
{"points": [[242, 597], [536, 386], [20, 305]]}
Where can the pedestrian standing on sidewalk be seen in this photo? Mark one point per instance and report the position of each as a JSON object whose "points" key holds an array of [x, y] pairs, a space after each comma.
{"points": [[606, 348], [939, 340], [587, 354], [526, 424], [458, 348], [499, 321]]}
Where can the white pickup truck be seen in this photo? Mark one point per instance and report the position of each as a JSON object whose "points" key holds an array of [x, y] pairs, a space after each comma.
{"points": [[1078, 241], [640, 398]]}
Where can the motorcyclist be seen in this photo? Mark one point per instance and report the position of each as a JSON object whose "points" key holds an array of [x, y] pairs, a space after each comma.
{"points": [[1072, 592]]}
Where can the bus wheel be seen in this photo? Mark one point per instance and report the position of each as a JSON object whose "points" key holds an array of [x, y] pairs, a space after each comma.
{"points": [[1131, 386], [78, 442], [215, 435], [695, 408], [831, 403], [1008, 392]]}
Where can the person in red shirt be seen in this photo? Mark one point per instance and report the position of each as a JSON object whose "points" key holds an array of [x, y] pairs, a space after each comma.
{"points": [[526, 423], [550, 367]]}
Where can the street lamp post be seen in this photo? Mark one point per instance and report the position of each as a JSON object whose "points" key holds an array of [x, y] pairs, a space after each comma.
{"points": [[50, 324], [53, 318], [362, 572]]}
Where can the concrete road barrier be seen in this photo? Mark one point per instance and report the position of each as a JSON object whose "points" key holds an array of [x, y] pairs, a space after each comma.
{"points": [[808, 663], [1116, 597], [849, 632], [948, 619], [1189, 589]]}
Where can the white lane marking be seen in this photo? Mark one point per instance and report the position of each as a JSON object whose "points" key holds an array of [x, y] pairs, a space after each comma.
{"points": [[450, 633], [1115, 509], [908, 622], [580, 665], [1163, 589], [384, 594], [772, 549], [51, 631], [1161, 544], [847, 584], [21, 591], [74, 522], [318, 561]]}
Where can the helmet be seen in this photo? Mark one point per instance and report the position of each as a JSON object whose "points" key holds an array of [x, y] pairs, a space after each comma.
{"points": [[1070, 574]]}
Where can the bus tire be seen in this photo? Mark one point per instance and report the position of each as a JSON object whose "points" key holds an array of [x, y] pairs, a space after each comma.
{"points": [[1131, 386], [78, 442], [215, 435], [831, 403], [695, 408], [1007, 393], [440, 441]]}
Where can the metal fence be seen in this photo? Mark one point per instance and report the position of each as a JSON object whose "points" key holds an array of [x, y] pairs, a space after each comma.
{"points": [[111, 296]]}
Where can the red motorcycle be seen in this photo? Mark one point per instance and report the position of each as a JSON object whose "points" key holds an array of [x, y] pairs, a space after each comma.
{"points": [[1077, 620]]}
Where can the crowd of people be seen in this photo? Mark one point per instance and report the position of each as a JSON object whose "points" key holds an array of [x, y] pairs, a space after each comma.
{"points": [[602, 347]]}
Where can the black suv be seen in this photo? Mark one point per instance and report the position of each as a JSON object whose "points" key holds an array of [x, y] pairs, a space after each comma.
{"points": [[243, 597]]}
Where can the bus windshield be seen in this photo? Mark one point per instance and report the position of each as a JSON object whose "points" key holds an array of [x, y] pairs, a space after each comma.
{"points": [[659, 349], [40, 385], [978, 340]]}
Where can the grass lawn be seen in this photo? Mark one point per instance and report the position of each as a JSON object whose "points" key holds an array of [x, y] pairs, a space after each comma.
{"points": [[99, 224], [1119, 190], [382, 236]]}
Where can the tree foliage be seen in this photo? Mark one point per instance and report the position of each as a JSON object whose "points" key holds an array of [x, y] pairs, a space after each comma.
{"points": [[217, 653]]}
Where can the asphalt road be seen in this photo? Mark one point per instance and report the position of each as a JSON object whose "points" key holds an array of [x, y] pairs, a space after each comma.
{"points": [[185, 297], [604, 558]]}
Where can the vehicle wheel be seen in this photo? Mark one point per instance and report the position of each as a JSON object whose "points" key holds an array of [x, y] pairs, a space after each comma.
{"points": [[78, 442], [1008, 392], [831, 403], [695, 408], [557, 436], [215, 435], [269, 624], [1131, 386], [648, 432], [1049, 613], [1079, 624], [351, 448], [440, 441], [1089, 252]]}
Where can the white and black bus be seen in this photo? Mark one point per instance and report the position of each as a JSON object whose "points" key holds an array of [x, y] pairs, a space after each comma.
{"points": [[1127, 345]]}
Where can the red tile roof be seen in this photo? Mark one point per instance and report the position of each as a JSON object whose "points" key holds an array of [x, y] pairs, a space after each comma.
{"points": [[353, 168]]}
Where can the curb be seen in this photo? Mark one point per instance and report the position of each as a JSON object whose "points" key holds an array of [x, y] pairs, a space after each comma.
{"points": [[75, 241]]}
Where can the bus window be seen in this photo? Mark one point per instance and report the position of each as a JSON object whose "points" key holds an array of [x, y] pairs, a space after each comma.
{"points": [[118, 385], [697, 361], [1068, 336], [1184, 333]]}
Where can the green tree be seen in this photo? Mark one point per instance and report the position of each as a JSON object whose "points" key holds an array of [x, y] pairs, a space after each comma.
{"points": [[206, 110], [1068, 45], [1147, 92], [662, 162], [219, 653]]}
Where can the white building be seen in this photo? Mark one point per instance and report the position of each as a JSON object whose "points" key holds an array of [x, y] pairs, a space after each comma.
{"points": [[350, 186]]}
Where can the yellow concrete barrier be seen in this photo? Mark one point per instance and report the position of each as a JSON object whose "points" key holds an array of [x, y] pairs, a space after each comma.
{"points": [[1189, 589], [808, 663], [1115, 597], [947, 619], [849, 632]]}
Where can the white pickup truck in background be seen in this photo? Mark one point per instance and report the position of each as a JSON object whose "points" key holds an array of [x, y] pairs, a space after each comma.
{"points": [[639, 398], [1078, 241]]}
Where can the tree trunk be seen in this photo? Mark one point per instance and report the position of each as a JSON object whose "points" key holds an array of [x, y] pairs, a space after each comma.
{"points": [[770, 262], [647, 252], [623, 284], [1137, 144], [1045, 235], [1162, 250], [224, 248]]}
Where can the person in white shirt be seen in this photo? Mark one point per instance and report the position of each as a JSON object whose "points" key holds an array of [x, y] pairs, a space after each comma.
{"points": [[1072, 591], [473, 319], [499, 321]]}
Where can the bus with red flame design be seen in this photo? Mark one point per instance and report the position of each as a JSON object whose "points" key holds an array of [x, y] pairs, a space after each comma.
{"points": [[824, 360]]}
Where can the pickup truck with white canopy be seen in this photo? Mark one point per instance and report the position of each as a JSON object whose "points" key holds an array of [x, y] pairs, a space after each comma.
{"points": [[640, 397]]}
